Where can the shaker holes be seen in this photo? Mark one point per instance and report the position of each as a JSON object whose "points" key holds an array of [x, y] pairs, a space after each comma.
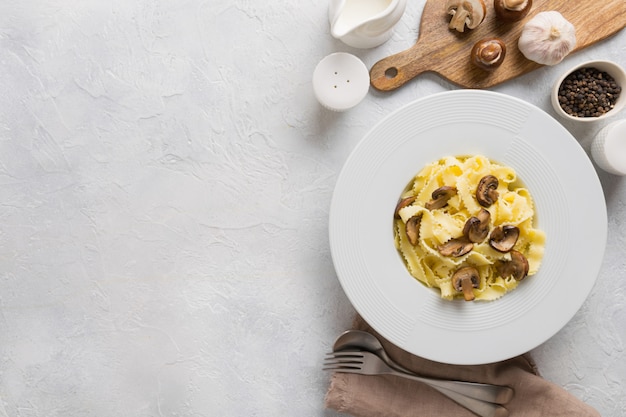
{"points": [[336, 86]]}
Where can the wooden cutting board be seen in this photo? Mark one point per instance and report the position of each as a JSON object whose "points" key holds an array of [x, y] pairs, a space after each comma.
{"points": [[447, 52]]}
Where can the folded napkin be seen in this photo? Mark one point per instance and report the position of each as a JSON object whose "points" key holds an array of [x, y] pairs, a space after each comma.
{"points": [[391, 396]]}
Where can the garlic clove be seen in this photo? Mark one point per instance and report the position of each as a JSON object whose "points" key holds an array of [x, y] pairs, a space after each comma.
{"points": [[547, 38]]}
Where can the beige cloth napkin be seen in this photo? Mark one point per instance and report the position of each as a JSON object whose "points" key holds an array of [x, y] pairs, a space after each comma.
{"points": [[390, 396]]}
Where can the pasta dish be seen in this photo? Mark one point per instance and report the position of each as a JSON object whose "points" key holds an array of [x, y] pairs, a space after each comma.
{"points": [[465, 225]]}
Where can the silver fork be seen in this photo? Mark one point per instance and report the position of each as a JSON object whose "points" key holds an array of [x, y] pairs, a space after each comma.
{"points": [[483, 399]]}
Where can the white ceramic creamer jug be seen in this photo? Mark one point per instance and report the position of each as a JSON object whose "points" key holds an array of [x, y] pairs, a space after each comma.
{"points": [[364, 23]]}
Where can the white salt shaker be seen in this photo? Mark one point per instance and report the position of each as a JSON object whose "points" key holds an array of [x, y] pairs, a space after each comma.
{"points": [[340, 81], [609, 148]]}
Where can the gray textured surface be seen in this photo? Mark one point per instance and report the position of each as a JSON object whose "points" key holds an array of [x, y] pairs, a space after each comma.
{"points": [[166, 175]]}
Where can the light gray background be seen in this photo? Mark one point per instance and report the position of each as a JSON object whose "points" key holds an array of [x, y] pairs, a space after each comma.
{"points": [[165, 181]]}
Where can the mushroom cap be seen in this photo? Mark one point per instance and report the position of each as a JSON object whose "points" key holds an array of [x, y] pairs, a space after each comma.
{"points": [[440, 197], [456, 247], [488, 54], [466, 12], [517, 267], [412, 228], [476, 228], [486, 191], [402, 204], [504, 238], [465, 279], [512, 10]]}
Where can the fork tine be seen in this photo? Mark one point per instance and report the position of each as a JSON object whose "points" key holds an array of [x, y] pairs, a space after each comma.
{"points": [[343, 360], [346, 354], [336, 364], [343, 370]]}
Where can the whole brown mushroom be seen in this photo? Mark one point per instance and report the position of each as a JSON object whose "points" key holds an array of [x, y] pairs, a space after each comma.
{"points": [[488, 54], [512, 10]]}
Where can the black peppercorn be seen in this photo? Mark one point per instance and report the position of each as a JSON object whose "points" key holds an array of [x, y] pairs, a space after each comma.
{"points": [[588, 92]]}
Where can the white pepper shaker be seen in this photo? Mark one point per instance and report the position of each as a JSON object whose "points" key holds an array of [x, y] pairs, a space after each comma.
{"points": [[609, 148]]}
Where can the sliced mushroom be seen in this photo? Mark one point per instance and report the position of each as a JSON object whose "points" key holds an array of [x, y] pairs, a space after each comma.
{"points": [[412, 228], [486, 192], [488, 54], [476, 228], [516, 267], [470, 13], [466, 279], [440, 197], [504, 238], [402, 204], [456, 247], [512, 10]]}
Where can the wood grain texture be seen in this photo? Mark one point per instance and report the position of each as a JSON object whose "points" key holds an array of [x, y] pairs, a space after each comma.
{"points": [[447, 52]]}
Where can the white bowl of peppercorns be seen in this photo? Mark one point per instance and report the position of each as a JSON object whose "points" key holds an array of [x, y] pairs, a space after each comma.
{"points": [[590, 91]]}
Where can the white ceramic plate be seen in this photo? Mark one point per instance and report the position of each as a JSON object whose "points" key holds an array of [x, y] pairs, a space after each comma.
{"points": [[570, 208]]}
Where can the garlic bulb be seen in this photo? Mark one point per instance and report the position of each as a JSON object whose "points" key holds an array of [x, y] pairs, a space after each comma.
{"points": [[547, 38]]}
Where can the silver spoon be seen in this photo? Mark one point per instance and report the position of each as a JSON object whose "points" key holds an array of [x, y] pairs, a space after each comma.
{"points": [[358, 339]]}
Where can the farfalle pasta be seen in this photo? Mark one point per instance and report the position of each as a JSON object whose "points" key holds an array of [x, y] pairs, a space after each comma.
{"points": [[465, 225]]}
